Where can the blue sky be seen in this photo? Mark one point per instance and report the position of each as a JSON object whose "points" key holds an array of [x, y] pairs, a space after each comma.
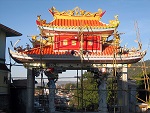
{"points": [[22, 14]]}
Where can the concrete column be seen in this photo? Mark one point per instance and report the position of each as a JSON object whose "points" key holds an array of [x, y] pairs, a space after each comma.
{"points": [[125, 98], [132, 97], [52, 88], [30, 91], [102, 96], [120, 93]]}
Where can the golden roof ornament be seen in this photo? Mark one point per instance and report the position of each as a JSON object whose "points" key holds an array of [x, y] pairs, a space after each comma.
{"points": [[115, 22], [76, 16], [76, 12]]}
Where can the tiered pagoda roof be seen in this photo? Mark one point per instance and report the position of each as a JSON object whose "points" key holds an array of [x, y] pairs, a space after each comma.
{"points": [[77, 20], [76, 25]]}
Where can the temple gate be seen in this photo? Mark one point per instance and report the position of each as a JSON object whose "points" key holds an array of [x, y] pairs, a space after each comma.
{"points": [[76, 40]]}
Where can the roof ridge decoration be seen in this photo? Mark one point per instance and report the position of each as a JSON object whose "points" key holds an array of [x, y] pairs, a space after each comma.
{"points": [[71, 20], [76, 12]]}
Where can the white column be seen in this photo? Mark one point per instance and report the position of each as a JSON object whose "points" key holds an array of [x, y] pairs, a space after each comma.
{"points": [[30, 91], [125, 98], [52, 88], [102, 97]]}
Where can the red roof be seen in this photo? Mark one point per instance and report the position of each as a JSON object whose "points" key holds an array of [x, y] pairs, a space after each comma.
{"points": [[44, 50], [72, 23], [69, 22], [108, 50]]}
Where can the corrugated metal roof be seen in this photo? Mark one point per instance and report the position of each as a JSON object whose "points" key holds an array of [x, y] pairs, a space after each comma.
{"points": [[9, 32]]}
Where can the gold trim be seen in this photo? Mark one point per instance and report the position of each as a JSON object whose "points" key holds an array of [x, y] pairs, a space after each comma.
{"points": [[76, 17], [76, 13]]}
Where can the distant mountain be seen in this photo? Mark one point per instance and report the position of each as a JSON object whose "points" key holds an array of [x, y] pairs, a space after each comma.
{"points": [[58, 83], [65, 82]]}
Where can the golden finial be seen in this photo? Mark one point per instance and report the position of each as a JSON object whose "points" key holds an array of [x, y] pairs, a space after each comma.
{"points": [[116, 17], [39, 17], [100, 11]]}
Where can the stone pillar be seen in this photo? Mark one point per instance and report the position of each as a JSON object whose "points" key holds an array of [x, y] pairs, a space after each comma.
{"points": [[102, 91], [30, 91], [120, 93], [132, 97], [52, 77], [52, 88], [102, 97], [125, 99]]}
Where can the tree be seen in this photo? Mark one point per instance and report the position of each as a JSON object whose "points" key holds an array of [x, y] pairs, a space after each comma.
{"points": [[90, 93], [142, 92], [70, 86]]}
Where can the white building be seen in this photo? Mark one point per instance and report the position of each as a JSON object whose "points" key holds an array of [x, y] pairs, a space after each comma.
{"points": [[4, 71]]}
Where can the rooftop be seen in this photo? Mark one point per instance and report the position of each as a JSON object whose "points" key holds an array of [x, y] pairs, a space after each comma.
{"points": [[9, 32]]}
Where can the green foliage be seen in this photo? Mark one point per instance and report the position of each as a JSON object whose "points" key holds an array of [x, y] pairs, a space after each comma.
{"points": [[142, 93], [136, 72], [136, 69], [70, 86], [90, 93], [112, 91]]}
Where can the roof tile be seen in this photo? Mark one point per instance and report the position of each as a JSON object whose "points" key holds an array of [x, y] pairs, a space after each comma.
{"points": [[76, 22], [108, 50]]}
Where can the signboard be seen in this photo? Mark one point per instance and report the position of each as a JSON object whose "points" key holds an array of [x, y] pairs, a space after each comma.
{"points": [[72, 42]]}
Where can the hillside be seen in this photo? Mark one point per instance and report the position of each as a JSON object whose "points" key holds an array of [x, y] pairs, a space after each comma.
{"points": [[136, 69]]}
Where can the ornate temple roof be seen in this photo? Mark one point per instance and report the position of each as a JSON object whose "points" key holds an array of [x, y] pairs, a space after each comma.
{"points": [[107, 56], [75, 26], [77, 19]]}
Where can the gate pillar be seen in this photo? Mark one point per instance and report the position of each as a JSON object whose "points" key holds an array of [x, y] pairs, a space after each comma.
{"points": [[30, 91], [123, 93], [51, 96], [125, 90], [52, 78], [102, 91]]}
